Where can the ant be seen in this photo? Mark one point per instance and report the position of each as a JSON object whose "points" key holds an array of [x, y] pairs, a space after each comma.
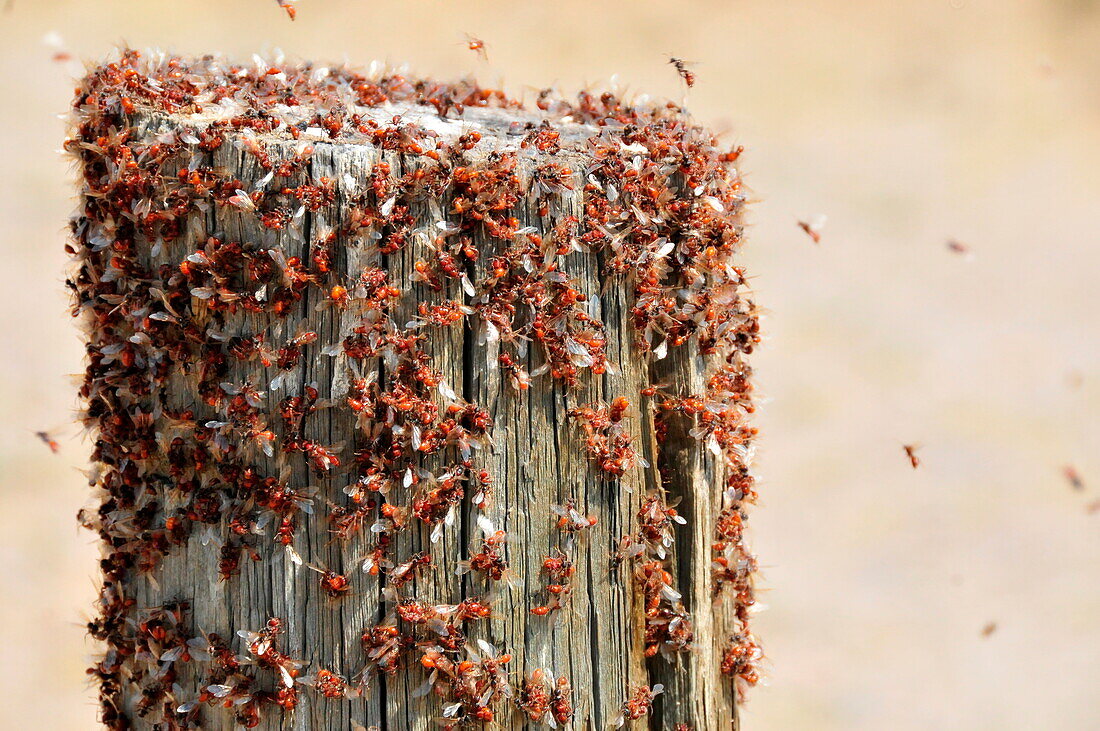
{"points": [[332, 583], [741, 659], [1073, 477], [405, 572], [957, 247], [813, 228], [384, 645], [331, 685], [681, 68], [49, 441], [477, 46], [569, 520], [288, 6], [911, 453]]}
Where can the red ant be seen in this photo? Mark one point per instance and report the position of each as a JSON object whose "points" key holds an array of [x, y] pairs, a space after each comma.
{"points": [[569, 520], [813, 228], [1073, 477], [681, 68], [49, 441], [331, 685], [477, 46], [332, 583], [957, 247], [911, 453], [519, 378], [655, 523], [405, 572]]}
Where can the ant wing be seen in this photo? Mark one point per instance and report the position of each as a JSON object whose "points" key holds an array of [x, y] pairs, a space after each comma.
{"points": [[437, 532], [486, 525], [487, 648], [424, 688]]}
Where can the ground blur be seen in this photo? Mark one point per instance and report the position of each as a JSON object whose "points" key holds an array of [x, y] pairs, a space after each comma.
{"points": [[907, 124]]}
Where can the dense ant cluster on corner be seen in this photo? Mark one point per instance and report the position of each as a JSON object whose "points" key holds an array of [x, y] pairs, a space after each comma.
{"points": [[222, 318]]}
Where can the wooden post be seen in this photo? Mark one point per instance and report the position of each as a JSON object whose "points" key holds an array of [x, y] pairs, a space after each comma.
{"points": [[395, 386]]}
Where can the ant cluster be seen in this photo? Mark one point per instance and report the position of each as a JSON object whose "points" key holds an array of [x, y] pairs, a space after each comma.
{"points": [[668, 627], [225, 319], [606, 438], [719, 418]]}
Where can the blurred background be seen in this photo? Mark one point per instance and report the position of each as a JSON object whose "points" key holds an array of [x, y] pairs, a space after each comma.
{"points": [[964, 594]]}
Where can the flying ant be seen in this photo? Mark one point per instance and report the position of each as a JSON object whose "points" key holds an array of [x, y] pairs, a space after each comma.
{"points": [[629, 547], [263, 646], [656, 519], [813, 228], [519, 378], [911, 453], [741, 659], [1073, 477], [288, 6], [477, 46], [49, 441], [681, 68], [331, 685], [957, 247], [607, 440]]}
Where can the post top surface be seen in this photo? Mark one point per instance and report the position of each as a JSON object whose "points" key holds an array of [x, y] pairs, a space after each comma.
{"points": [[342, 104]]}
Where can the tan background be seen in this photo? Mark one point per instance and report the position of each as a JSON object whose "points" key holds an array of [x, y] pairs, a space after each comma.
{"points": [[906, 123]]}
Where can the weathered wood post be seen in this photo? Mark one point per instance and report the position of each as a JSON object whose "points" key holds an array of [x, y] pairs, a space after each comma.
{"points": [[410, 404]]}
